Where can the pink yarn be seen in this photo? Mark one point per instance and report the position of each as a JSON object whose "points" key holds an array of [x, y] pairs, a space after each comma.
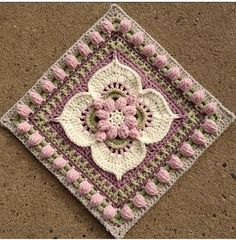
{"points": [[71, 61], [59, 162], [130, 121], [36, 98], [198, 96], [131, 100], [198, 138], [209, 126], [59, 73], [139, 201], [107, 26], [129, 110], [72, 175], [123, 131], [160, 62], [23, 110], [102, 114], [151, 188], [120, 103], [98, 104], [109, 212], [175, 162], [173, 73], [137, 39], [35, 139], [149, 50], [96, 38], [47, 151], [85, 187], [126, 213], [163, 176], [185, 84], [134, 133], [47, 86], [109, 105], [104, 125], [84, 49], [187, 150], [210, 108], [112, 133], [125, 26], [96, 199], [23, 127], [100, 136]]}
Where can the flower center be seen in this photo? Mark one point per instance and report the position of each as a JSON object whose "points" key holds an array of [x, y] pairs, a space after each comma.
{"points": [[116, 118]]}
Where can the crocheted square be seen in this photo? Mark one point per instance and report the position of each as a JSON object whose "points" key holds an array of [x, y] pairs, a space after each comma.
{"points": [[117, 120]]}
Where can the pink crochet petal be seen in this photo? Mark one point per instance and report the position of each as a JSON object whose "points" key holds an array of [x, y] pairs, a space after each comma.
{"points": [[120, 103], [104, 125], [109, 105], [129, 110], [130, 121], [123, 132], [134, 133], [131, 100], [100, 136], [112, 133], [102, 114]]}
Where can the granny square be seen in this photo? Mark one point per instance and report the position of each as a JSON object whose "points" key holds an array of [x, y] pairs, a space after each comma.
{"points": [[117, 120]]}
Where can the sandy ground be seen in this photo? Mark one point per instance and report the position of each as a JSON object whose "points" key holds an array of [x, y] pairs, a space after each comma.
{"points": [[202, 37]]}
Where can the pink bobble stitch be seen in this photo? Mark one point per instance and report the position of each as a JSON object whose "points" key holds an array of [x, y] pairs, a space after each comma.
{"points": [[23, 127], [125, 25], [163, 176], [112, 133], [149, 50], [131, 100], [100, 136], [59, 73], [173, 73], [72, 175], [96, 38], [129, 110], [187, 150], [123, 132], [139, 201], [102, 114], [126, 213], [47, 151], [36, 98], [47, 86], [137, 38], [98, 104], [71, 61], [120, 103], [151, 188], [185, 84], [134, 133], [109, 212], [198, 97], [85, 187], [160, 62], [109, 105], [104, 125], [59, 162], [35, 139], [210, 108], [130, 121], [209, 126], [96, 199], [23, 110], [107, 26], [198, 138], [84, 49], [175, 162]]}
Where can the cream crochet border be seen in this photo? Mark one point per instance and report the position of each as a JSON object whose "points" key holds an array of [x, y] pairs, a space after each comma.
{"points": [[119, 232]]}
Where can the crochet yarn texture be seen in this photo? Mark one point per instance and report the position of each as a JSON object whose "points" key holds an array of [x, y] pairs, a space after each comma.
{"points": [[117, 120]]}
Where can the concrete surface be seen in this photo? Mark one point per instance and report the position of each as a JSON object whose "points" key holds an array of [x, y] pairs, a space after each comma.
{"points": [[202, 37]]}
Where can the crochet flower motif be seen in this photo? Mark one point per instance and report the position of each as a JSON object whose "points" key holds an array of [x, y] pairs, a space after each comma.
{"points": [[116, 118]]}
